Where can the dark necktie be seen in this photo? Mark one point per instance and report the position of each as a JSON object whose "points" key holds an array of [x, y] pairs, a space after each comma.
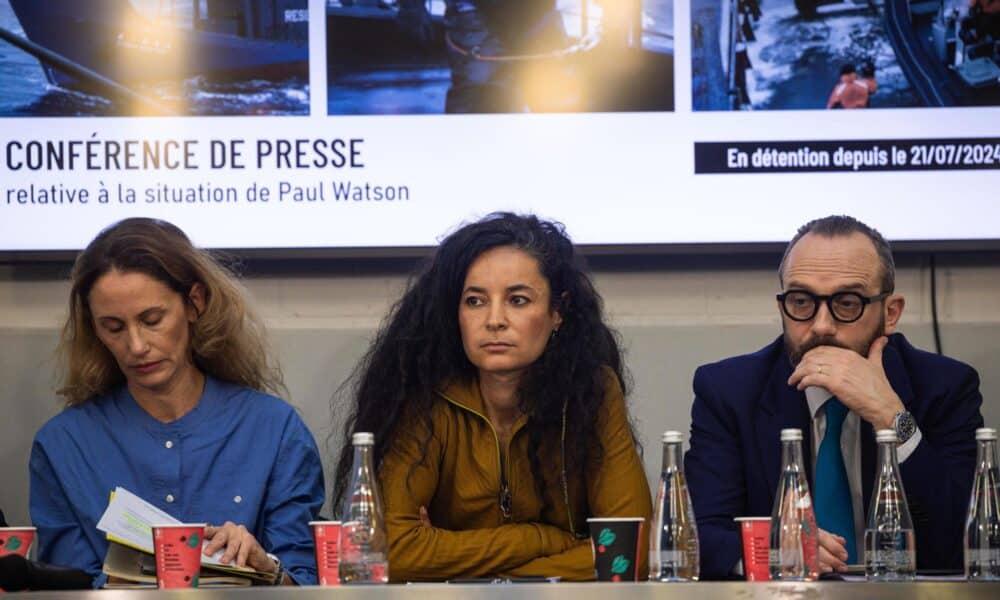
{"points": [[834, 510]]}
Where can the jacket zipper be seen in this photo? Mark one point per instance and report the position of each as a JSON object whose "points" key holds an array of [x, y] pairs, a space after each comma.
{"points": [[505, 497]]}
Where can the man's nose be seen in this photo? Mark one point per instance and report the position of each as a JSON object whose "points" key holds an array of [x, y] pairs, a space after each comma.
{"points": [[823, 324]]}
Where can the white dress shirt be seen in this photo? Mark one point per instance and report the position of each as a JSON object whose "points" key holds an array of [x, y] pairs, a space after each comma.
{"points": [[850, 447]]}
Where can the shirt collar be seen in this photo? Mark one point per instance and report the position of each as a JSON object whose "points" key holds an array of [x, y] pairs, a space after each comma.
{"points": [[470, 397], [816, 397], [465, 394], [132, 409]]}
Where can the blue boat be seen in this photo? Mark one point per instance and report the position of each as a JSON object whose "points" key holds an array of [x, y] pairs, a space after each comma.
{"points": [[224, 38]]}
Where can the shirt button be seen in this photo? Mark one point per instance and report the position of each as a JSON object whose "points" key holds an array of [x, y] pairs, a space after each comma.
{"points": [[170, 497], [169, 444], [238, 499]]}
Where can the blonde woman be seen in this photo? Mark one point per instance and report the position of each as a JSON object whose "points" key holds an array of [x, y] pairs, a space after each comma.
{"points": [[167, 394]]}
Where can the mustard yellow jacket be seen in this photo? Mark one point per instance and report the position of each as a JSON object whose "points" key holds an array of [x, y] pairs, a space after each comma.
{"points": [[460, 483]]}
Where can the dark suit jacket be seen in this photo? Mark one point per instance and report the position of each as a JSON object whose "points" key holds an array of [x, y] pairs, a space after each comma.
{"points": [[3, 522], [741, 405]]}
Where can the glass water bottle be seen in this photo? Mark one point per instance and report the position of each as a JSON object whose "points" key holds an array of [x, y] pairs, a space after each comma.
{"points": [[673, 543], [794, 540], [890, 545], [982, 527], [363, 541]]}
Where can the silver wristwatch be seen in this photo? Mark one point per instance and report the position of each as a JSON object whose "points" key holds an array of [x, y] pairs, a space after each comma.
{"points": [[904, 425]]}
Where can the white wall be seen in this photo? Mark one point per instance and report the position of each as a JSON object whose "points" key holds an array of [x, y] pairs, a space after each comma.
{"points": [[671, 320]]}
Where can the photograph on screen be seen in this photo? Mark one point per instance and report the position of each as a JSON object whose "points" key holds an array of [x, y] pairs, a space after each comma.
{"points": [[499, 56], [832, 54], [153, 57]]}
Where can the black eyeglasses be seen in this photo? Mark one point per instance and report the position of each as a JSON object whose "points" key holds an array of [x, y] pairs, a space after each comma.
{"points": [[845, 307]]}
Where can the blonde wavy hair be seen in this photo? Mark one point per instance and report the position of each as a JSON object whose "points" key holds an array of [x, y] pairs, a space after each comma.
{"points": [[228, 339]]}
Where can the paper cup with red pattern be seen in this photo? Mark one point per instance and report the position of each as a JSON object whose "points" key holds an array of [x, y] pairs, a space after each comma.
{"points": [[177, 549], [616, 542], [326, 535], [756, 532], [16, 540]]}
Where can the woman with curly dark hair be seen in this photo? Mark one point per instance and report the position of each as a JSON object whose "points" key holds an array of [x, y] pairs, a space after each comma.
{"points": [[496, 393]]}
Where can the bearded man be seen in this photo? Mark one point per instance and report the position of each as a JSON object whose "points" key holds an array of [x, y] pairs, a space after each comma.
{"points": [[840, 369]]}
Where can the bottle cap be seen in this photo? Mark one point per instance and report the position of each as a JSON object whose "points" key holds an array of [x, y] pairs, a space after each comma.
{"points": [[886, 435], [672, 437], [986, 433], [791, 435], [363, 439]]}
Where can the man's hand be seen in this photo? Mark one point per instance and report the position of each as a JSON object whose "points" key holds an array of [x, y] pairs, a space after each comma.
{"points": [[241, 546], [832, 553], [859, 382]]}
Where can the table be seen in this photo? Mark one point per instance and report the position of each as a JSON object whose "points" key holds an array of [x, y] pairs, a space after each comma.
{"points": [[824, 590]]}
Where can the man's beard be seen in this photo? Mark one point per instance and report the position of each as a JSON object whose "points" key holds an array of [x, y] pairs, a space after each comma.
{"points": [[795, 354]]}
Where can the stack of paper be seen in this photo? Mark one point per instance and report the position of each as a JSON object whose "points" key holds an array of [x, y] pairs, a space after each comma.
{"points": [[128, 524]]}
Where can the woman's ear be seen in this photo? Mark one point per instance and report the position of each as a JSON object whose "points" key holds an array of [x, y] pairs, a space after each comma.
{"points": [[557, 312], [196, 302]]}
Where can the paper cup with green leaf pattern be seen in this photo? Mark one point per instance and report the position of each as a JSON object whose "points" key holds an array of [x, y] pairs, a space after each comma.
{"points": [[617, 542], [16, 540], [177, 549]]}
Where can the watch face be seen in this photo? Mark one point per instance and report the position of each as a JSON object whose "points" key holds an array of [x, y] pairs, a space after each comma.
{"points": [[905, 426]]}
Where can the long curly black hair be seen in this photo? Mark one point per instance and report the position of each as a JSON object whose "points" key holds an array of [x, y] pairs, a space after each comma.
{"points": [[418, 349]]}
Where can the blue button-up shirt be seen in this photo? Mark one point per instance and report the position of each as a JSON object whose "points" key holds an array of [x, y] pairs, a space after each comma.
{"points": [[239, 455]]}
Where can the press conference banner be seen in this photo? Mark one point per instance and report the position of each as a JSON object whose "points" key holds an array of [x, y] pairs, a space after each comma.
{"points": [[375, 123]]}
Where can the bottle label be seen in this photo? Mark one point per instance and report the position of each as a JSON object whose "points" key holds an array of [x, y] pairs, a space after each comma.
{"points": [[676, 558], [889, 551], [894, 560], [982, 556]]}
